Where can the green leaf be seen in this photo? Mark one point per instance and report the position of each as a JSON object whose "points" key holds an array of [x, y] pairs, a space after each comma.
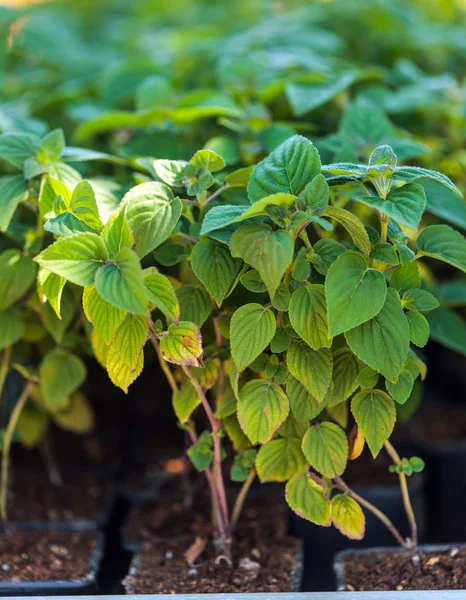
{"points": [[259, 208], [76, 258], [375, 414], [55, 326], [238, 438], [326, 448], [325, 254], [169, 171], [119, 372], [130, 338], [312, 368], [287, 169], [421, 300], [449, 329], [404, 204], [280, 459], [308, 316], [121, 282], [17, 272], [78, 416], [252, 281], [304, 406], [444, 203], [346, 367], [410, 174], [252, 328], [185, 400], [117, 234], [66, 224], [51, 146], [182, 344], [451, 293], [354, 292], [240, 176], [401, 390], [214, 266], [348, 517], [383, 342], [304, 97], [105, 317], [61, 373], [195, 303], [308, 499], [152, 212], [243, 464], [13, 191], [419, 329], [314, 197], [201, 453], [346, 169], [221, 216], [353, 226], [160, 292], [405, 278], [50, 188], [367, 378], [262, 408], [83, 205], [444, 243], [209, 160], [269, 252], [15, 148], [50, 288], [384, 252], [11, 329], [281, 298]]}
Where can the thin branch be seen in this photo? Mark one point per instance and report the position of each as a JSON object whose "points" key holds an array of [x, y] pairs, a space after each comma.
{"points": [[4, 366], [239, 503]]}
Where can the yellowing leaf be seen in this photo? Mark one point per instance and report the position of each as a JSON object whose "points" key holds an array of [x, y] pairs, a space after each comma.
{"points": [[348, 517]]}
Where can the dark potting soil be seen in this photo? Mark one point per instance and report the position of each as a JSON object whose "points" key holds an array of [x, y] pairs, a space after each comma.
{"points": [[32, 497], [260, 564], [45, 555], [384, 571], [149, 478], [171, 518]]}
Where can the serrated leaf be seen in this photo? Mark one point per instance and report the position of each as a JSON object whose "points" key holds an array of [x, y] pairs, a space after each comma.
{"points": [[354, 292], [121, 283], [66, 224], [269, 252], [252, 328], [16, 147], [152, 212], [221, 216], [129, 339], [195, 303], [169, 171], [401, 390], [384, 252], [312, 368], [76, 258], [367, 378], [50, 289], [182, 344], [303, 405], [287, 169], [237, 436], [308, 316], [17, 274], [242, 465], [325, 254], [345, 169], [185, 400], [444, 243], [61, 373], [420, 300], [201, 453], [160, 292], [259, 208], [13, 191], [307, 499], [375, 414], [353, 226], [117, 234], [348, 517], [105, 317], [207, 159], [405, 277], [11, 329], [346, 367], [383, 342], [280, 459], [83, 205], [419, 329], [326, 448], [214, 266], [119, 372], [262, 408], [404, 204], [50, 188], [413, 173]]}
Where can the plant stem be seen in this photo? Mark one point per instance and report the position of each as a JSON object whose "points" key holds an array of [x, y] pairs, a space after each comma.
{"points": [[338, 481], [4, 366], [404, 493], [7, 440], [238, 507], [218, 475], [164, 366]]}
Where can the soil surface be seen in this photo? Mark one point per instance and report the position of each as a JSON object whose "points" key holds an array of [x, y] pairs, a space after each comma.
{"points": [[45, 555], [33, 497], [264, 558], [386, 571]]}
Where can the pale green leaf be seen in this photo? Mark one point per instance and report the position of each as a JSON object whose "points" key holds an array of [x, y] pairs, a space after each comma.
{"points": [[129, 339], [280, 459], [308, 499], [17, 272], [119, 372], [304, 406], [375, 414], [161, 293], [11, 329], [326, 448], [353, 226], [308, 316], [348, 517], [13, 191], [262, 408], [182, 344], [346, 367], [252, 328], [61, 373], [401, 390], [105, 317], [117, 234], [312, 368]]}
